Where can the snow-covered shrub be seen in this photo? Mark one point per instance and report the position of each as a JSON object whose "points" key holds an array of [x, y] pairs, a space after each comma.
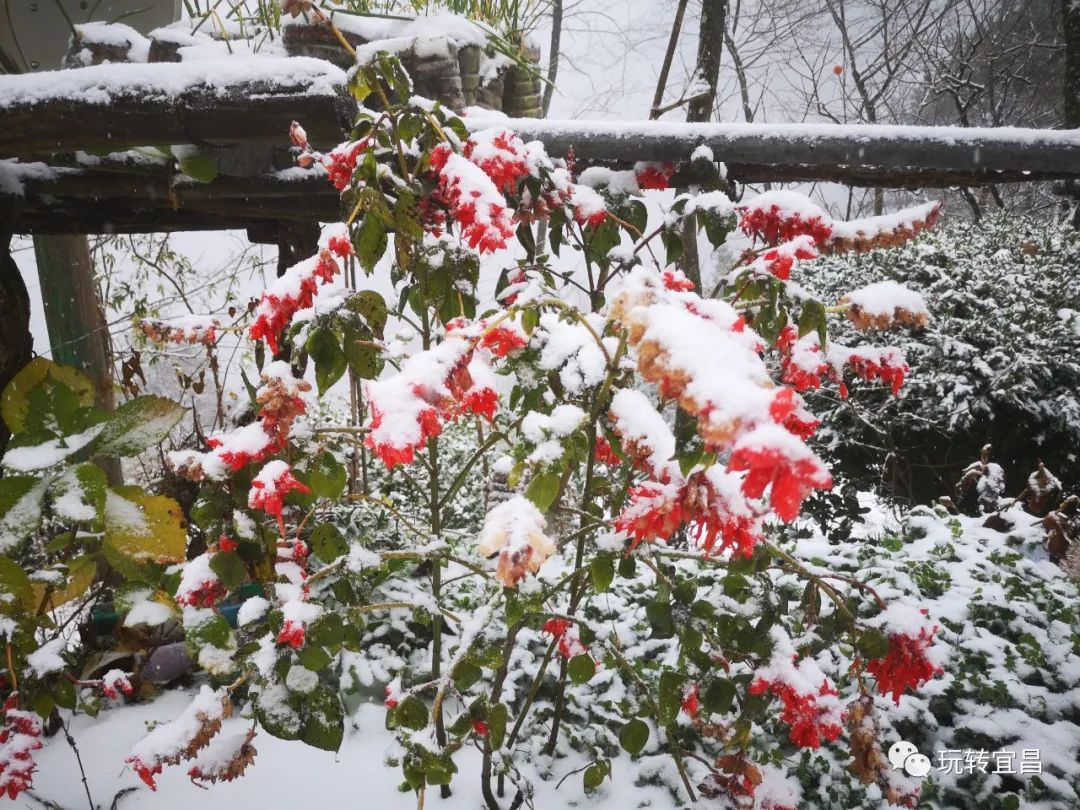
{"points": [[998, 364], [480, 629]]}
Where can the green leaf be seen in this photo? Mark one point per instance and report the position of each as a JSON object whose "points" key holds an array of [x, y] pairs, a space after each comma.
{"points": [[330, 363], [603, 572], [496, 721], [327, 542], [313, 657], [201, 166], [21, 500], [79, 494], [633, 736], [543, 490], [813, 318], [594, 775], [658, 612], [411, 713], [873, 644], [16, 408], [466, 674], [581, 668], [136, 425], [718, 696], [670, 695], [370, 306], [327, 477], [364, 359], [229, 568], [370, 242], [15, 588], [64, 694], [277, 716], [323, 719]]}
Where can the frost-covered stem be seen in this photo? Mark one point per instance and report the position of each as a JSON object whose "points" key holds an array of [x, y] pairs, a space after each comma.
{"points": [[486, 445], [577, 590], [320, 17], [78, 760], [496, 697], [799, 568], [534, 689], [676, 751]]}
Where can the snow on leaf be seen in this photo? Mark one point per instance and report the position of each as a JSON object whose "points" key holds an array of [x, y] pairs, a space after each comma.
{"points": [[143, 528], [21, 500], [138, 424]]}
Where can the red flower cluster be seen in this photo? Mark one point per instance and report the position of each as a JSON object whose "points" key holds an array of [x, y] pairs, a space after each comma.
{"points": [[290, 293], [675, 280], [773, 457], [270, 487], [408, 410], [392, 454], [773, 223], [658, 510], [480, 728], [801, 359], [501, 154], [340, 246], [474, 200], [20, 736], [885, 365], [114, 683], [780, 259], [502, 340], [787, 409], [906, 664], [340, 163], [205, 594], [605, 453], [810, 722], [226, 543], [566, 632], [653, 175], [691, 703], [293, 634]]}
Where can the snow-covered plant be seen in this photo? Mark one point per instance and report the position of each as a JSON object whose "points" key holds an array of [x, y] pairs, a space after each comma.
{"points": [[569, 378], [998, 364]]}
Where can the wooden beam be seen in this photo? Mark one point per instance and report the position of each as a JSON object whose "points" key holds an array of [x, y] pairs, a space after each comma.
{"points": [[859, 154], [112, 107]]}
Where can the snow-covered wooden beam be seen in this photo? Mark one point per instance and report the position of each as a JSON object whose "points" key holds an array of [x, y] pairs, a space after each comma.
{"points": [[853, 154], [215, 101]]}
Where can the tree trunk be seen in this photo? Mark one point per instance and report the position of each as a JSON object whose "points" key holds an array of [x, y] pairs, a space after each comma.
{"points": [[553, 52], [78, 334], [16, 343], [710, 48]]}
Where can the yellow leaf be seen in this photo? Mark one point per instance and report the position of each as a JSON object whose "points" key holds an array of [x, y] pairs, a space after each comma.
{"points": [[80, 577], [14, 405], [144, 528]]}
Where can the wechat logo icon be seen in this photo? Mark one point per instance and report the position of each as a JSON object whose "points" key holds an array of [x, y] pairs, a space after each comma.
{"points": [[905, 756]]}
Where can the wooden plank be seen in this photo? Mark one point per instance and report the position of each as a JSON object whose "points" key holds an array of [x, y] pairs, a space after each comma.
{"points": [[112, 107], [863, 154]]}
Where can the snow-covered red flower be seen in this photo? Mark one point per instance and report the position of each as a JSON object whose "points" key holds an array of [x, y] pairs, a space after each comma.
{"points": [[340, 246], [781, 216], [114, 683], [884, 304], [653, 511], [691, 703], [501, 154], [475, 202], [298, 136], [296, 613], [885, 363], [20, 736], [269, 488], [514, 530], [910, 661], [288, 294], [340, 162], [675, 279], [226, 543], [199, 586], [504, 338], [811, 706], [775, 459], [480, 728], [653, 175], [568, 636]]}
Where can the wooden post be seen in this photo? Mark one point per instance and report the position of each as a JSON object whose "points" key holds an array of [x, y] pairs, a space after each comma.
{"points": [[78, 333], [16, 342]]}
